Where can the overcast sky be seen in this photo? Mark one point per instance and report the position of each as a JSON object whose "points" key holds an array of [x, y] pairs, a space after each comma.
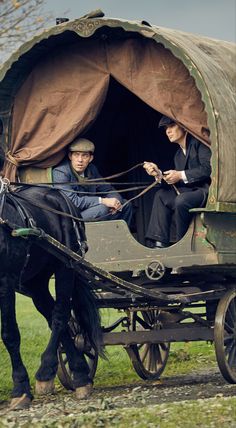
{"points": [[212, 18]]}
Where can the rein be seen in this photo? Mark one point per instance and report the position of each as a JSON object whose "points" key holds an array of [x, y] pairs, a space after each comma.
{"points": [[45, 207], [86, 182]]}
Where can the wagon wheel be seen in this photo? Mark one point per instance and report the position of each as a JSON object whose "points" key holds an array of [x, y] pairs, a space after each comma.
{"points": [[64, 374], [148, 359], [225, 336]]}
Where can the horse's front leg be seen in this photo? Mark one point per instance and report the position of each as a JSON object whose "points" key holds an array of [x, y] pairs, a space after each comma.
{"points": [[47, 371], [21, 394], [78, 365]]}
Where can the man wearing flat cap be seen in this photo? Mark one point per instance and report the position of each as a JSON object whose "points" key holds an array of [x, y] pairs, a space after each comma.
{"points": [[188, 185], [96, 201]]}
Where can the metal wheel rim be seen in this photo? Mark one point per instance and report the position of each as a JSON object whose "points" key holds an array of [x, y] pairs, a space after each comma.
{"points": [[225, 336]]}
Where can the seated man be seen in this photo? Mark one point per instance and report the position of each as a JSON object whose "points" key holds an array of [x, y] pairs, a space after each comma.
{"points": [[189, 183], [78, 167]]}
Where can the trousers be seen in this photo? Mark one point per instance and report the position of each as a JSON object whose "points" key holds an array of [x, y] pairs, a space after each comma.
{"points": [[102, 212], [167, 204]]}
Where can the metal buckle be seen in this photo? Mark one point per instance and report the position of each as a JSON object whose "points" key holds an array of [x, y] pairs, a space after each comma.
{"points": [[4, 184]]}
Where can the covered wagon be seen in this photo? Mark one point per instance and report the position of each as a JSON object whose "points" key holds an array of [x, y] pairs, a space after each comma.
{"points": [[111, 80]]}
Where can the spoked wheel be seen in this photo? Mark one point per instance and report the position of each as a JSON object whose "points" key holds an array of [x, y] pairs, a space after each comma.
{"points": [[148, 359], [64, 374], [225, 336]]}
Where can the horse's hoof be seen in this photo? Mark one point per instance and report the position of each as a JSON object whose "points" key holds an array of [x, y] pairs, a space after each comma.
{"points": [[84, 392], [20, 403], [44, 387]]}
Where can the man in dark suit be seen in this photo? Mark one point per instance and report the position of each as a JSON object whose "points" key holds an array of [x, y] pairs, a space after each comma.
{"points": [[189, 183], [98, 201]]}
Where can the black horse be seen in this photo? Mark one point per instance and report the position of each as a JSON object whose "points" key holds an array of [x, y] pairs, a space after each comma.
{"points": [[25, 265]]}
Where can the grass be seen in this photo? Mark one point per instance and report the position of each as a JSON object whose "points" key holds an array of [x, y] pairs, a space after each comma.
{"points": [[200, 413], [215, 412], [116, 370], [208, 413]]}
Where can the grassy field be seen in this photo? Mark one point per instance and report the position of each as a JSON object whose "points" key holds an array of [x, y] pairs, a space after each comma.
{"points": [[215, 412], [116, 370]]}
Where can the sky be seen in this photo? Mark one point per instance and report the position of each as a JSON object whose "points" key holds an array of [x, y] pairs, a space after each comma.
{"points": [[212, 18]]}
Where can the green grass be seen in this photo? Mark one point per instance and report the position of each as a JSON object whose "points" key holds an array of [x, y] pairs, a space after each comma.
{"points": [[116, 370], [215, 412], [212, 413]]}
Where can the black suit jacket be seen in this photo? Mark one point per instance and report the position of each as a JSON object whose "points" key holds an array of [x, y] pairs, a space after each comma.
{"points": [[196, 164]]}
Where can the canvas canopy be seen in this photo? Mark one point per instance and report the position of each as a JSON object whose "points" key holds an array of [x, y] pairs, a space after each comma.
{"points": [[54, 87]]}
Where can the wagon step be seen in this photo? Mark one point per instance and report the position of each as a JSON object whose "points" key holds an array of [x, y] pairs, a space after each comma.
{"points": [[97, 276]]}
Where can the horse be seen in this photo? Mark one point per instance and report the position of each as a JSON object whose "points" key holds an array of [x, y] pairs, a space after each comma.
{"points": [[26, 265]]}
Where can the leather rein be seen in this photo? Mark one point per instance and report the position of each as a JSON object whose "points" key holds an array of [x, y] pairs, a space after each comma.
{"points": [[88, 182]]}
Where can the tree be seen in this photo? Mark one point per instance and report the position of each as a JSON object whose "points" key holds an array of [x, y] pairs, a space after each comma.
{"points": [[19, 20]]}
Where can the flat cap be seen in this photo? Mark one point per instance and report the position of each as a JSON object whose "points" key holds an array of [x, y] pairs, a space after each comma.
{"points": [[165, 121], [82, 145]]}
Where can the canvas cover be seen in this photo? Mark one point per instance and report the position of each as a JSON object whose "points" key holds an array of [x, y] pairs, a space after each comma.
{"points": [[63, 95]]}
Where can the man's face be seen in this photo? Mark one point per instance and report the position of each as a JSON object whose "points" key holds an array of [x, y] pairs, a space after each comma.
{"points": [[174, 132], [80, 160]]}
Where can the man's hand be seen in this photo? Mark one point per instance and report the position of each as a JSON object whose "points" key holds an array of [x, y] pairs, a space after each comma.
{"points": [[152, 169], [113, 203], [172, 176]]}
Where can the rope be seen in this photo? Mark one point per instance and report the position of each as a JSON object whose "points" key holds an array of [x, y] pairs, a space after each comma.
{"points": [[11, 159]]}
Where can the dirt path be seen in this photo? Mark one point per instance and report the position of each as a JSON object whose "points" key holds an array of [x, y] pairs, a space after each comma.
{"points": [[169, 389]]}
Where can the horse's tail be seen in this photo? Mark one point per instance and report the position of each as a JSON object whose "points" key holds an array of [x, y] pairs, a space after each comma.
{"points": [[87, 314]]}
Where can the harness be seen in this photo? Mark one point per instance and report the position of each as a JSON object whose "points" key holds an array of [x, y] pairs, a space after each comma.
{"points": [[6, 195], [77, 226], [4, 184], [28, 221]]}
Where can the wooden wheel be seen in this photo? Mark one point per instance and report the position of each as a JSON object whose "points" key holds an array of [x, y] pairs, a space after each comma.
{"points": [[64, 374], [225, 336], [148, 359]]}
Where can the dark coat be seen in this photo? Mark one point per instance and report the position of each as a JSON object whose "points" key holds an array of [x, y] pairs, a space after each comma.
{"points": [[193, 194], [63, 173], [196, 165]]}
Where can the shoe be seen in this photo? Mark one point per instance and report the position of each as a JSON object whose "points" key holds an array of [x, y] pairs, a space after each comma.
{"points": [[159, 244], [150, 243]]}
